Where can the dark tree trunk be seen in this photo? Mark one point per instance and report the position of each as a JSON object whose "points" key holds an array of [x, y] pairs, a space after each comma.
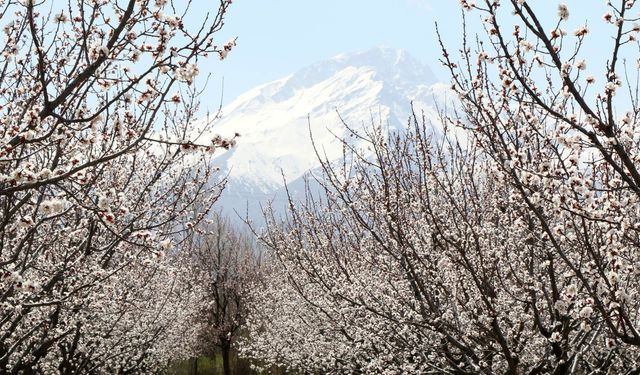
{"points": [[226, 363]]}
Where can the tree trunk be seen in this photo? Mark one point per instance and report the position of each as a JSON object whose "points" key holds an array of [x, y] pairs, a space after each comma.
{"points": [[195, 366], [226, 363]]}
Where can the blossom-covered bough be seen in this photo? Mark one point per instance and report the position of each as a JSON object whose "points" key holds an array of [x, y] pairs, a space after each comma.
{"points": [[99, 174], [506, 242]]}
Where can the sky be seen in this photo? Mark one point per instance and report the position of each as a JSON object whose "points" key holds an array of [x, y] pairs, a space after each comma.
{"points": [[278, 37]]}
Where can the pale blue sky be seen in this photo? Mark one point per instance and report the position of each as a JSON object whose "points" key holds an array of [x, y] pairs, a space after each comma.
{"points": [[277, 37]]}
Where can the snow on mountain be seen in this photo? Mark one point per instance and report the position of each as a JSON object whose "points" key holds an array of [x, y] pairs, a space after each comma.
{"points": [[275, 119]]}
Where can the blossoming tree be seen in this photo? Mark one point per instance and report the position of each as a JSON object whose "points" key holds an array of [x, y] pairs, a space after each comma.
{"points": [[99, 171], [504, 242], [225, 265]]}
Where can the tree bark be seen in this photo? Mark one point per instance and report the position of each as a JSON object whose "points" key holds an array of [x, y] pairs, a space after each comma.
{"points": [[226, 363]]}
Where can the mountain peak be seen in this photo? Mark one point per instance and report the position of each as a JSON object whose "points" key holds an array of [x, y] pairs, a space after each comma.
{"points": [[381, 56], [393, 66]]}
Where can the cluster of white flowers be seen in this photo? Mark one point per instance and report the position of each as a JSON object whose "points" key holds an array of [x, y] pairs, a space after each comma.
{"points": [[187, 73], [53, 206], [563, 12], [97, 50], [226, 48]]}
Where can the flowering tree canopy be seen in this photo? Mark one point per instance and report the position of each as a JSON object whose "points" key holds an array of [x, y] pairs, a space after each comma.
{"points": [[96, 184], [505, 242], [226, 267]]}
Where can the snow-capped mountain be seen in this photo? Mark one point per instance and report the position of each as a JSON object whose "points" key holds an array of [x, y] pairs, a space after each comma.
{"points": [[275, 120]]}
